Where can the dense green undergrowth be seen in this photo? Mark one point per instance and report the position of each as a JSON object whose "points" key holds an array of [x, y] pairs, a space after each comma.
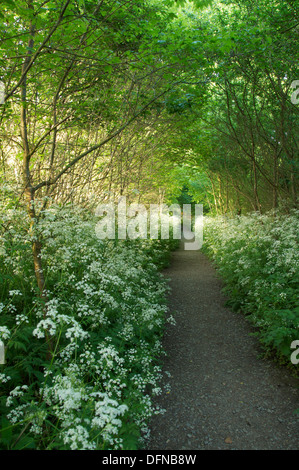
{"points": [[258, 258], [83, 366]]}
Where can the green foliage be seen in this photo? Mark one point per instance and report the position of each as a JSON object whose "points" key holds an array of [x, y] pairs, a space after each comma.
{"points": [[82, 366]]}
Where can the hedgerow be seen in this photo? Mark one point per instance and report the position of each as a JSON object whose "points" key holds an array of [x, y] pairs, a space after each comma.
{"points": [[82, 363], [258, 258]]}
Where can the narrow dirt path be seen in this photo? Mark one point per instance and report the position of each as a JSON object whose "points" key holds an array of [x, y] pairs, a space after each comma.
{"points": [[223, 395]]}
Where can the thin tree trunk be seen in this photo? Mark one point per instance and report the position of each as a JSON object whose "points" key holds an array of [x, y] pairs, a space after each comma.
{"points": [[27, 181], [257, 203], [275, 176]]}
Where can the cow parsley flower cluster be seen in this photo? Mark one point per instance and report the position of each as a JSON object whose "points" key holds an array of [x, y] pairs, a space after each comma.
{"points": [[81, 366], [258, 257]]}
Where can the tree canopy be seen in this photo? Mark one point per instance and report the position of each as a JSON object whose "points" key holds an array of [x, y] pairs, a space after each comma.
{"points": [[109, 97]]}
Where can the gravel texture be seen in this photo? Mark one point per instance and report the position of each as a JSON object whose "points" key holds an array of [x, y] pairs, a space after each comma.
{"points": [[223, 394]]}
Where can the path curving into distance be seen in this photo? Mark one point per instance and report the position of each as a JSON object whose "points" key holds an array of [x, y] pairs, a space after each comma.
{"points": [[223, 395]]}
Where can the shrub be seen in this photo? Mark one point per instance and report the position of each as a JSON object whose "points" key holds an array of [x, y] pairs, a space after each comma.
{"points": [[258, 257]]}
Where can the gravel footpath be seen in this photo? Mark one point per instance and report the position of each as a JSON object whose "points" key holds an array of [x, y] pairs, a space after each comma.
{"points": [[223, 394]]}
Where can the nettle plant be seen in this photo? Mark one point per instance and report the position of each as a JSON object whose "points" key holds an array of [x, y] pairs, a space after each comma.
{"points": [[258, 257], [83, 362]]}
